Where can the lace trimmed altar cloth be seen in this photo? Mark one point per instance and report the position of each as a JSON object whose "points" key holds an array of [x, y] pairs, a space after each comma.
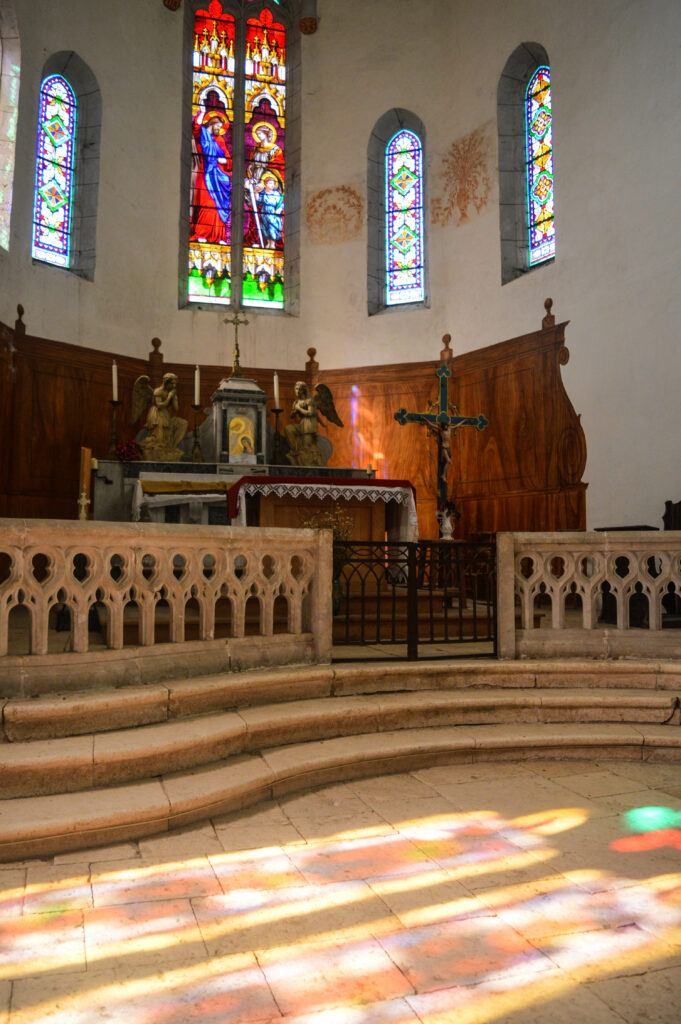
{"points": [[397, 495]]}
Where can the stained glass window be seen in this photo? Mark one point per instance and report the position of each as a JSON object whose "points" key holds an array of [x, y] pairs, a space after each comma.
{"points": [[538, 133], [404, 219], [233, 88], [54, 175]]}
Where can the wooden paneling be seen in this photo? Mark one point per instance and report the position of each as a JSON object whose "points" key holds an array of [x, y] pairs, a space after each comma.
{"points": [[523, 472]]}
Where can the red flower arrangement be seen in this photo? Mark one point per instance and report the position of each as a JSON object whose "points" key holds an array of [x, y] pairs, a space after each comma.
{"points": [[128, 451]]}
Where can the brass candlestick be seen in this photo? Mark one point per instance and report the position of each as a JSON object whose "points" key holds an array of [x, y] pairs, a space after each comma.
{"points": [[196, 450], [277, 456], [114, 403]]}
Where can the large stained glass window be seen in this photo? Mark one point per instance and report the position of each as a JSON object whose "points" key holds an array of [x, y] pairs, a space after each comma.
{"points": [[238, 121], [54, 174], [538, 133], [404, 219]]}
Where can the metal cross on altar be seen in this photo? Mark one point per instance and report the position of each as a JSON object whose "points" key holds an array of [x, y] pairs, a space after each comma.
{"points": [[439, 420], [236, 322]]}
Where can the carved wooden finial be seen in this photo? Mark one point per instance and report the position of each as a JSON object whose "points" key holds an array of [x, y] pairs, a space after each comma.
{"points": [[549, 320], [308, 17], [156, 360], [172, 5], [19, 325], [312, 369], [446, 355]]}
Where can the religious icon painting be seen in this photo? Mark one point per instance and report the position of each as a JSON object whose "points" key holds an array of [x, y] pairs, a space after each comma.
{"points": [[539, 145], [404, 219], [54, 178]]}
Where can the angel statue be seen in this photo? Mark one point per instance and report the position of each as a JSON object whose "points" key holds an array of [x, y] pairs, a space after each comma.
{"points": [[164, 430], [302, 435]]}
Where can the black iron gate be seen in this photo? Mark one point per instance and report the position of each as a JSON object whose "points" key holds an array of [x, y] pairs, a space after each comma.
{"points": [[436, 593]]}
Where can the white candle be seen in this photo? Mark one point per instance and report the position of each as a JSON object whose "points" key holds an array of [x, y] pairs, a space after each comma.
{"points": [[276, 390], [197, 381], [114, 381]]}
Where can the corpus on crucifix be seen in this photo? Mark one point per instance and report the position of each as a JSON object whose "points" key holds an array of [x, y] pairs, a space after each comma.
{"points": [[237, 322], [441, 418]]}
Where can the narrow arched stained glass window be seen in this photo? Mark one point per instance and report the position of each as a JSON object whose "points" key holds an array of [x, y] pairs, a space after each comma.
{"points": [[404, 219], [54, 174], [539, 144], [237, 226]]}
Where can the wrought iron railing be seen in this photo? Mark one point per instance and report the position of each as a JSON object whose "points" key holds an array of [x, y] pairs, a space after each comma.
{"points": [[430, 592]]}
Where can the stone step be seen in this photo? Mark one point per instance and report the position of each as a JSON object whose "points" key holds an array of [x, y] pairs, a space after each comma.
{"points": [[107, 707], [48, 825], [99, 759]]}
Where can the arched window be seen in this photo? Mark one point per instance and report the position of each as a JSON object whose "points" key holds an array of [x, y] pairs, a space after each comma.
{"points": [[396, 265], [404, 219], [238, 190], [539, 148], [10, 64], [54, 172], [526, 179], [67, 166]]}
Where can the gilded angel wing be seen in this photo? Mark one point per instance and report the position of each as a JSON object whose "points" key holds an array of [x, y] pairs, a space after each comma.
{"points": [[323, 401], [142, 397]]}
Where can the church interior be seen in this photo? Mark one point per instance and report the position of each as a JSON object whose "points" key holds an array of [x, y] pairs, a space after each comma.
{"points": [[420, 257]]}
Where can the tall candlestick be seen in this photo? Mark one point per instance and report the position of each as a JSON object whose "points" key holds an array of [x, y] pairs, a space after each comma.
{"points": [[114, 380], [276, 390], [197, 381]]}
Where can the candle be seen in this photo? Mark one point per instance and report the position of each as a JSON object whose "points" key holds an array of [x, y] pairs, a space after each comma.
{"points": [[276, 390], [114, 381], [85, 457], [197, 381]]}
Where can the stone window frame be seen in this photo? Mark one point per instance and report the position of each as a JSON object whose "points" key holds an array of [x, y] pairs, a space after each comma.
{"points": [[283, 11], [513, 211], [387, 126], [79, 76], [10, 71]]}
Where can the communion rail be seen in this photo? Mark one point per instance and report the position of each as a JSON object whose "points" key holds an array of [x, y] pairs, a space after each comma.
{"points": [[606, 595], [112, 585]]}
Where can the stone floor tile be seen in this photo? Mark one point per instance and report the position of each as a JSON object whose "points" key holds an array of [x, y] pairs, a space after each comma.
{"points": [[598, 784], [39, 943], [312, 830], [234, 838], [622, 802], [264, 919], [425, 896], [372, 857], [56, 888], [268, 812], [153, 933], [267, 867], [656, 776], [442, 778], [653, 997], [311, 977], [547, 1001], [5, 996], [464, 952], [183, 843], [607, 952], [389, 1011], [231, 991], [119, 851], [404, 787], [12, 882], [140, 881]]}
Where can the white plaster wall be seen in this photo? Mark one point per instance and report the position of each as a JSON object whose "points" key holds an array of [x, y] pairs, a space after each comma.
{"points": [[616, 69]]}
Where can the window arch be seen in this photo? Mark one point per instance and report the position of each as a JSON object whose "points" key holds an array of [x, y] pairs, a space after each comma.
{"points": [[396, 265], [10, 66], [67, 166], [242, 209], [526, 180]]}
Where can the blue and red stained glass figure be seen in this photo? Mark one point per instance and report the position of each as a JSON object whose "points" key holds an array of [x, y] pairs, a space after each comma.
{"points": [[54, 174], [214, 251], [404, 219], [539, 147]]}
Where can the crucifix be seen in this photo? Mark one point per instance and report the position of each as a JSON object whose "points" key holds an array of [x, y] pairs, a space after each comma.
{"points": [[236, 367], [441, 418]]}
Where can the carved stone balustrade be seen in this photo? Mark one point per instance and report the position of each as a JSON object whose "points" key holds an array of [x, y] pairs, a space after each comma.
{"points": [[614, 594], [135, 582]]}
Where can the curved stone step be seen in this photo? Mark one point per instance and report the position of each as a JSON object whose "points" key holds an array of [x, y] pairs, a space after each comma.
{"points": [[68, 764], [44, 826]]}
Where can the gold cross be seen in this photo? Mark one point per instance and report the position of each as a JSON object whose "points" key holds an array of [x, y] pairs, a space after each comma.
{"points": [[236, 322]]}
